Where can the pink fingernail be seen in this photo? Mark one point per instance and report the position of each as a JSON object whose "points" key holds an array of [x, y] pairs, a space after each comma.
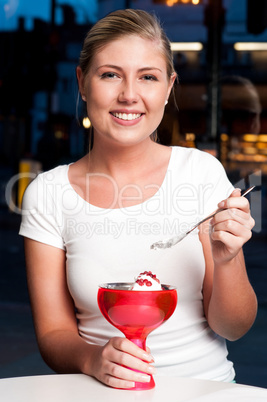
{"points": [[152, 370], [145, 378], [147, 357]]}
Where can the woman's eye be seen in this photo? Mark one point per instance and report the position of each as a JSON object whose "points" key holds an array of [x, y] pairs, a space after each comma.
{"points": [[109, 75], [149, 77]]}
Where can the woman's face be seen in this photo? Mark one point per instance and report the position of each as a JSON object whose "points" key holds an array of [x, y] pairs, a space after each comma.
{"points": [[125, 90]]}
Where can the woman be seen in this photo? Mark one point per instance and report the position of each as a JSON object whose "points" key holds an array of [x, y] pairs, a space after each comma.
{"points": [[94, 221]]}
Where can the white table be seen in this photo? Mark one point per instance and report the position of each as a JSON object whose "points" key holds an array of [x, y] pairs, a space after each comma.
{"points": [[81, 388]]}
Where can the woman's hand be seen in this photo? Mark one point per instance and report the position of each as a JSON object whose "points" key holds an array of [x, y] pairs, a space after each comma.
{"points": [[113, 364], [230, 228], [230, 303]]}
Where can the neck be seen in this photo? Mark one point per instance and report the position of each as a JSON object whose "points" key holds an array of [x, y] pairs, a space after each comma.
{"points": [[121, 160]]}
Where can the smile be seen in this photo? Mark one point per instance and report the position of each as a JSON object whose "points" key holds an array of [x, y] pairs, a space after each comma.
{"points": [[127, 116]]}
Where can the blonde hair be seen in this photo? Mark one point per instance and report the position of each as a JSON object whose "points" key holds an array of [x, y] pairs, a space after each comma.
{"points": [[122, 23]]}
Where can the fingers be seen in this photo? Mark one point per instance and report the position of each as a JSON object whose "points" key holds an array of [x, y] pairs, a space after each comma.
{"points": [[126, 353], [233, 221], [121, 377], [119, 358], [231, 227], [226, 219], [129, 347], [235, 208], [232, 233], [148, 350], [235, 201]]}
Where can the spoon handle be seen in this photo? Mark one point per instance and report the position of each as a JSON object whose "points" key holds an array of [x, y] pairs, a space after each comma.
{"points": [[171, 242], [247, 191]]}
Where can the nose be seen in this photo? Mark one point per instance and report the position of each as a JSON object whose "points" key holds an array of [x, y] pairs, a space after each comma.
{"points": [[129, 92]]}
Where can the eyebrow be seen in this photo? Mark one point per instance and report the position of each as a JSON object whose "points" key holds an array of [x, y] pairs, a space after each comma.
{"points": [[148, 68]]}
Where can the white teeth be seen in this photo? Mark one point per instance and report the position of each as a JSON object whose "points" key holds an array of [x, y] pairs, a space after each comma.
{"points": [[125, 116]]}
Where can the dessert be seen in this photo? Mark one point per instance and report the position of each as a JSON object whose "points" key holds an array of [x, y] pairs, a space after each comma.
{"points": [[147, 281], [137, 314]]}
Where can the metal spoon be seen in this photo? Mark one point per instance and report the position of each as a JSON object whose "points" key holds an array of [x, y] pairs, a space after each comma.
{"points": [[171, 242]]}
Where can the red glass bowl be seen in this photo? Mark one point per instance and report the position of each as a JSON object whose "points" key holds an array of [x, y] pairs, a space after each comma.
{"points": [[136, 313]]}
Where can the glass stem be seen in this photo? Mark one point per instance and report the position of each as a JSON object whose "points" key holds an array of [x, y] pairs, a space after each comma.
{"points": [[139, 342]]}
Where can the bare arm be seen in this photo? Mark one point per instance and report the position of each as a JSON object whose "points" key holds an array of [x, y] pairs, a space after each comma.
{"points": [[230, 303], [56, 327]]}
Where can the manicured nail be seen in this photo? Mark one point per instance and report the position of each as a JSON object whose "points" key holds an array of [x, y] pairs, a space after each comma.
{"points": [[144, 378], [152, 369], [221, 204], [148, 357]]}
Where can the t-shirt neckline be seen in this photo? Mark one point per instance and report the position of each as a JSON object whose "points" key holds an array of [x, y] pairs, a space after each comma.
{"points": [[132, 207]]}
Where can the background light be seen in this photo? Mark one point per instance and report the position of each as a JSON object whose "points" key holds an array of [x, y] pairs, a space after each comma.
{"points": [[171, 3], [250, 46], [186, 46], [86, 122]]}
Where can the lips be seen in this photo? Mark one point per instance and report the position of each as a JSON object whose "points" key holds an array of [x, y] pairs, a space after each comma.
{"points": [[127, 116]]}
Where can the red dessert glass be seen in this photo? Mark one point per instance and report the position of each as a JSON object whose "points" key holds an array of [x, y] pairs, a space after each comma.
{"points": [[136, 313]]}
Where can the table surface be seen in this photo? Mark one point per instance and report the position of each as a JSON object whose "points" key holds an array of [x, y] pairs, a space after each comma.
{"points": [[79, 387]]}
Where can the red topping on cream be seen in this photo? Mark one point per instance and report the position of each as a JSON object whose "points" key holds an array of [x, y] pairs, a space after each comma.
{"points": [[143, 281]]}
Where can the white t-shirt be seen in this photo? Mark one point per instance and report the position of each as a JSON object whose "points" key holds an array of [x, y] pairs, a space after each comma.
{"points": [[113, 245]]}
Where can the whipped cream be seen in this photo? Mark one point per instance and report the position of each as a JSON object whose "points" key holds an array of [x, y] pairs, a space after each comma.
{"points": [[147, 281]]}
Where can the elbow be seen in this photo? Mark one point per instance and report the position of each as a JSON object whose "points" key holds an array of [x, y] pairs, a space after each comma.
{"points": [[233, 334], [232, 331], [242, 329]]}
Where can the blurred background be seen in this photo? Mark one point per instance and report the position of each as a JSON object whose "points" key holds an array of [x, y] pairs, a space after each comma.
{"points": [[220, 54]]}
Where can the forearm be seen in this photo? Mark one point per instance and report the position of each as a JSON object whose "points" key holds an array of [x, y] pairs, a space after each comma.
{"points": [[66, 352], [233, 304]]}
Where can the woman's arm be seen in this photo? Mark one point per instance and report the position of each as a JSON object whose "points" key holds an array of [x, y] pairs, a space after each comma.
{"points": [[56, 328], [230, 303]]}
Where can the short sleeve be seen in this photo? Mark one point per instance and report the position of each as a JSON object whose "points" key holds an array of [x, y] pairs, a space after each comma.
{"points": [[41, 220], [212, 175]]}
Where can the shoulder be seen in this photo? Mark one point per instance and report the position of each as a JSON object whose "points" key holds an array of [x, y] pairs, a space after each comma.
{"points": [[57, 174], [194, 154], [196, 160], [42, 184], [202, 171]]}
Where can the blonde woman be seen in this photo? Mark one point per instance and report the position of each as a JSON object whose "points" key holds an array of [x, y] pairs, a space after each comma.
{"points": [[93, 221]]}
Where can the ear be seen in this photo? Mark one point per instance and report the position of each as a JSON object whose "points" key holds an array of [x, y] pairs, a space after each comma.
{"points": [[171, 83], [80, 78]]}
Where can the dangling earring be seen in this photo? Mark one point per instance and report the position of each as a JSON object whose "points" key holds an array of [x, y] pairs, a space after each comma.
{"points": [[166, 102], [84, 98]]}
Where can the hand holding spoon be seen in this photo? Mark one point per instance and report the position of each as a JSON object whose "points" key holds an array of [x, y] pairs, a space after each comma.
{"points": [[171, 242]]}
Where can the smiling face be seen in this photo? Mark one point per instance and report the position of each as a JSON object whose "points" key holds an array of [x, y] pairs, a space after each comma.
{"points": [[125, 89]]}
